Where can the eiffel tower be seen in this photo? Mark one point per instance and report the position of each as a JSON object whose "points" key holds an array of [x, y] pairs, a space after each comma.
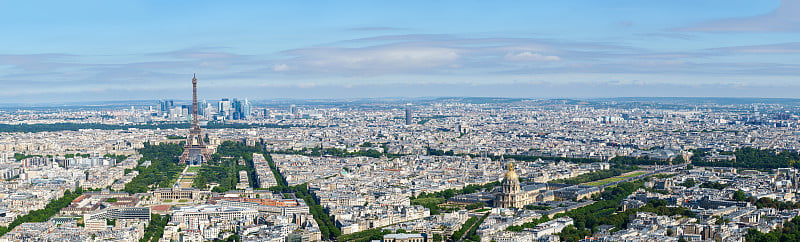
{"points": [[195, 151]]}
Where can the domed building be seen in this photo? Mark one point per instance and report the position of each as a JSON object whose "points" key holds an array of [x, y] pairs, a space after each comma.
{"points": [[514, 195]]}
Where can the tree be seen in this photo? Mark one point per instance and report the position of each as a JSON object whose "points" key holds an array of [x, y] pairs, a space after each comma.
{"points": [[678, 160], [475, 206], [739, 195], [688, 183], [749, 157], [714, 185], [164, 169]]}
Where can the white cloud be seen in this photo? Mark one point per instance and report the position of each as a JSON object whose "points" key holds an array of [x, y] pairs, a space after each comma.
{"points": [[280, 67], [372, 60], [405, 59], [530, 56], [782, 48]]}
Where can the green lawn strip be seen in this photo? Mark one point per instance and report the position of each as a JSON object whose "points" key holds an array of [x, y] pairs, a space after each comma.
{"points": [[193, 169], [634, 174], [613, 179]]}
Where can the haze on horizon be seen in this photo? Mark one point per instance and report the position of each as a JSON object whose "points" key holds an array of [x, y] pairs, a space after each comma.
{"points": [[66, 51]]}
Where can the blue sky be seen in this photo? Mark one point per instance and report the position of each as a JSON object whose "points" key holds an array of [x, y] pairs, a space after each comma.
{"points": [[59, 51]]}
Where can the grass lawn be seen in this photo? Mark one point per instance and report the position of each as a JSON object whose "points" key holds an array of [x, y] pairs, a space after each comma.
{"points": [[194, 169], [429, 200], [604, 181], [614, 179], [633, 174]]}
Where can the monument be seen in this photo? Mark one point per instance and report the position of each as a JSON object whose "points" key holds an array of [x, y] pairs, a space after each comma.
{"points": [[195, 151]]}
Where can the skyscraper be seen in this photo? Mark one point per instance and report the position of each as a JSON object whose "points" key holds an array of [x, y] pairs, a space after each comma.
{"points": [[246, 109], [195, 151], [236, 106], [408, 115], [202, 108], [293, 110], [225, 108], [165, 106]]}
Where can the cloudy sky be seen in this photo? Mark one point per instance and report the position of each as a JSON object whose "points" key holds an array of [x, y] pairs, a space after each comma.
{"points": [[63, 51]]}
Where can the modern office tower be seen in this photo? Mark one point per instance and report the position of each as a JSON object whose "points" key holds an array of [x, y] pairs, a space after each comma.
{"points": [[209, 110], [195, 151], [246, 109], [186, 112], [236, 109], [225, 108], [202, 108], [408, 115], [293, 110], [165, 106], [175, 113], [241, 109]]}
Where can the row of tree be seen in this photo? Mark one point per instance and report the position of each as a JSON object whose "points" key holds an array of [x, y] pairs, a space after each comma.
{"points": [[528, 225], [326, 223], [789, 232], [471, 235], [339, 152], [766, 202], [465, 228], [629, 160], [365, 235], [278, 176], [589, 217], [155, 229], [433, 200], [714, 185], [118, 158], [454, 192], [164, 170], [44, 214], [748, 157], [20, 156], [225, 171], [606, 211]]}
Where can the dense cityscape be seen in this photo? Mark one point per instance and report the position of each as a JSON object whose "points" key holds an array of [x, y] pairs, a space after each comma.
{"points": [[440, 169]]}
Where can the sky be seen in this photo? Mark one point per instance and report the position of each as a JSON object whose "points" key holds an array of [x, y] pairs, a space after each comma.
{"points": [[70, 51]]}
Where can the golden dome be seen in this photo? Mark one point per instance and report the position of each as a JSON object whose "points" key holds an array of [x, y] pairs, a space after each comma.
{"points": [[511, 175]]}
